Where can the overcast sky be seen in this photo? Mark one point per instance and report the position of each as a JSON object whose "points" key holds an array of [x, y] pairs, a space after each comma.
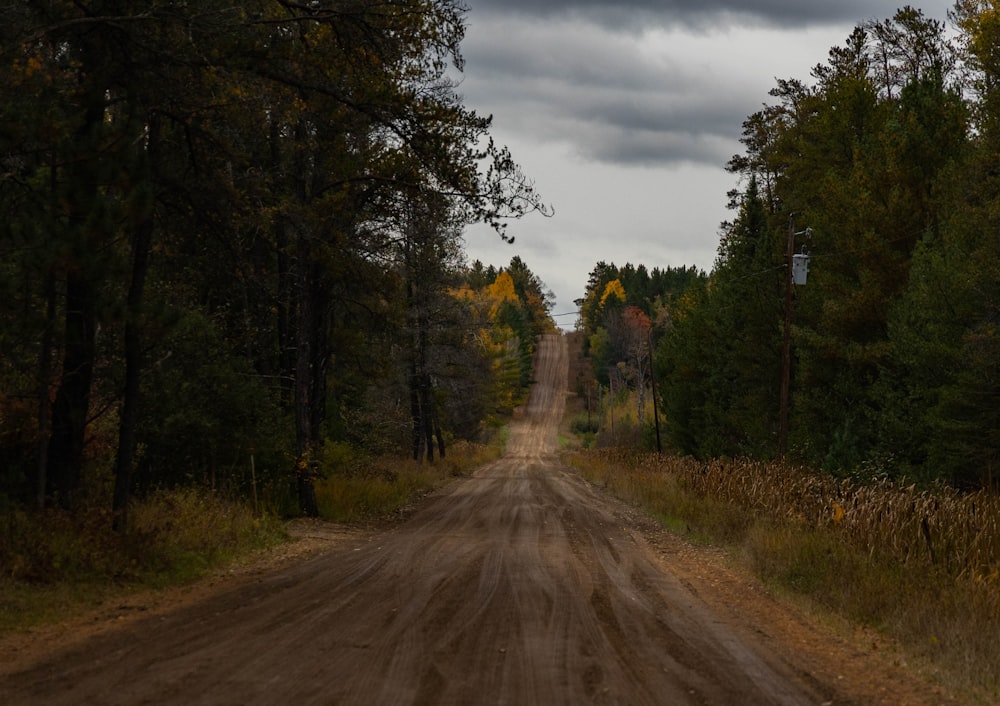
{"points": [[625, 112]]}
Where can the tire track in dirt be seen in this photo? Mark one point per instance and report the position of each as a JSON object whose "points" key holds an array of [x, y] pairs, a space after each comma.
{"points": [[518, 585]]}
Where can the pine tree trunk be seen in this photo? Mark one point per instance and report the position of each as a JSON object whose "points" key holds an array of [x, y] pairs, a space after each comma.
{"points": [[44, 372], [285, 309], [417, 434], [64, 470], [440, 437], [427, 414], [72, 402], [142, 241]]}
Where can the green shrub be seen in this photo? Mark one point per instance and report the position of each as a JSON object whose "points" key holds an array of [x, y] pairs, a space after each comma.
{"points": [[584, 424]]}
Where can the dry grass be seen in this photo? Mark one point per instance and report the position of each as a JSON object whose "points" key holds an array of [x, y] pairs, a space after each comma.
{"points": [[361, 489], [923, 566], [54, 562]]}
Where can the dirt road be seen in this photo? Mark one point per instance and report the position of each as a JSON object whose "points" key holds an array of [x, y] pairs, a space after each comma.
{"points": [[518, 585]]}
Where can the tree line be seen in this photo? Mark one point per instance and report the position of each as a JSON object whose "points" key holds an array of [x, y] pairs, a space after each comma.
{"points": [[620, 312], [883, 169], [236, 229]]}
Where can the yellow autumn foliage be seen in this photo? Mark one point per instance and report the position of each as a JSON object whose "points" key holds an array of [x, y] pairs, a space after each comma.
{"points": [[615, 289], [498, 341], [501, 291]]}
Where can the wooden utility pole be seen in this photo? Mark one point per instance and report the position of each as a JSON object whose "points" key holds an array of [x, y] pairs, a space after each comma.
{"points": [[652, 384], [611, 395], [786, 348], [786, 345]]}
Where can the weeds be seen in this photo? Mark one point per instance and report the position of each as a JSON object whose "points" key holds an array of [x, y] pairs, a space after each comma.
{"points": [[921, 565], [54, 560], [359, 489], [180, 534]]}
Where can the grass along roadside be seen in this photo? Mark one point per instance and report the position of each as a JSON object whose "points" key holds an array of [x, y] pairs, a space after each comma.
{"points": [[55, 564], [920, 567], [379, 488]]}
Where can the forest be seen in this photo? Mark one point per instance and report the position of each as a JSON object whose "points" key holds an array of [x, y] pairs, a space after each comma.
{"points": [[232, 236], [236, 233], [232, 261], [882, 175]]}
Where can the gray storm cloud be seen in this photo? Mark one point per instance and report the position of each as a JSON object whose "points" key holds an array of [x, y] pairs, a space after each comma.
{"points": [[601, 91], [696, 13], [626, 112], [576, 71]]}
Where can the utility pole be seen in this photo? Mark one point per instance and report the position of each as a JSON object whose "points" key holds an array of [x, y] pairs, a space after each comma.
{"points": [[786, 344], [611, 394], [652, 384]]}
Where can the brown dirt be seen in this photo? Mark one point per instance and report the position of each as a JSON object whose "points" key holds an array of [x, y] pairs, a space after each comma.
{"points": [[519, 585]]}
